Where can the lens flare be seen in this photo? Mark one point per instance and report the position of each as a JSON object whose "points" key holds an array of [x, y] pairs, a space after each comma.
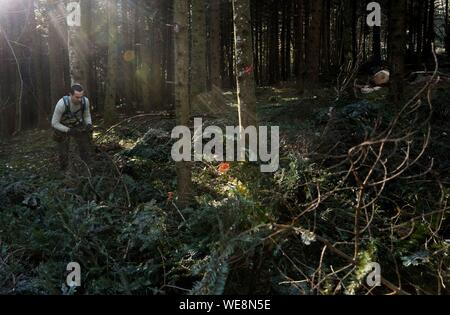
{"points": [[129, 56]]}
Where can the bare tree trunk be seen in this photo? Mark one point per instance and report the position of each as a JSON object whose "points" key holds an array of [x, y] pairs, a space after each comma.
{"points": [[145, 58], [345, 47], [16, 37], [110, 114], [198, 76], [376, 46], [301, 46], [87, 31], [181, 20], [156, 74], [169, 94], [274, 43], [447, 29], [129, 57], [216, 47], [313, 44], [430, 33], [38, 77], [78, 47], [326, 36], [245, 77], [397, 40], [57, 41]]}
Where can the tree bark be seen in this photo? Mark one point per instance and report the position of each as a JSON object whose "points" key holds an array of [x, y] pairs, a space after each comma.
{"points": [[57, 40], [181, 19], [38, 73], [397, 38], [245, 77], [447, 30], [313, 44], [301, 47], [129, 56], [78, 47], [110, 114], [198, 60], [156, 74], [376, 46], [216, 47], [144, 70]]}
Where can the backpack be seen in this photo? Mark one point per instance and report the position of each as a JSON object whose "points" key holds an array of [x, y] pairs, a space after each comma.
{"points": [[70, 119]]}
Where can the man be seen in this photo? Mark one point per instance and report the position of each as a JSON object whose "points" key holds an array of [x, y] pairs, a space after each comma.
{"points": [[72, 119]]}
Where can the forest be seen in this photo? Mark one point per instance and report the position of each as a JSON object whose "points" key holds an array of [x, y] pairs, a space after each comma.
{"points": [[224, 147]]}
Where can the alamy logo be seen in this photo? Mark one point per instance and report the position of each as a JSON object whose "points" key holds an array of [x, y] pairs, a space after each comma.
{"points": [[374, 277], [374, 17], [74, 14], [74, 277], [235, 148]]}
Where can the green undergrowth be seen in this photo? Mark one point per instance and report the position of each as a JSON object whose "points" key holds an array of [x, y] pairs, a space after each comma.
{"points": [[246, 232]]}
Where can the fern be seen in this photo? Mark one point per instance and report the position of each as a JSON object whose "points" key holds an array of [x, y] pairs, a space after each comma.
{"points": [[216, 274]]}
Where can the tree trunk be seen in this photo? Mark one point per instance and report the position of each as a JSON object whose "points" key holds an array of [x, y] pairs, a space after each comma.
{"points": [[274, 43], [198, 60], [8, 75], [313, 44], [216, 47], [429, 35], [245, 77], [38, 73], [376, 46], [110, 114], [78, 50], [326, 36], [301, 47], [87, 30], [398, 38], [447, 30], [354, 31], [181, 21], [57, 41], [129, 57], [144, 70], [156, 74], [169, 55], [345, 47]]}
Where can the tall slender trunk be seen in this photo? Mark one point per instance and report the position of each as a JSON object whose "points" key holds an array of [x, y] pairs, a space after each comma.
{"points": [[429, 34], [301, 46], [447, 29], [129, 56], [78, 48], [181, 20], [145, 59], [326, 36], [198, 60], [274, 43], [57, 39], [397, 46], [38, 73], [156, 75], [313, 44], [111, 81], [245, 77], [376, 45], [216, 47]]}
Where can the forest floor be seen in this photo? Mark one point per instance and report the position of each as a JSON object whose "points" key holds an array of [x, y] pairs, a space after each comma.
{"points": [[33, 152], [247, 232]]}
